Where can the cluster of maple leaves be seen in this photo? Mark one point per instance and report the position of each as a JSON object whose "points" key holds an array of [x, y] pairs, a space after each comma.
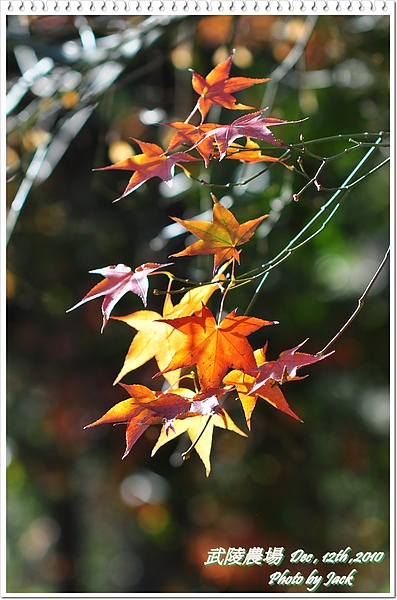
{"points": [[211, 355]]}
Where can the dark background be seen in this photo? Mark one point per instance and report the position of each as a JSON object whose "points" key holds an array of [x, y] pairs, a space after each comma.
{"points": [[78, 518]]}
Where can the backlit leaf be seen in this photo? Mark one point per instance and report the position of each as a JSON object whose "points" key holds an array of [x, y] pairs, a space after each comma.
{"points": [[249, 153], [221, 237], [212, 347], [217, 87], [251, 125], [119, 279], [145, 408], [191, 135], [285, 367], [268, 391], [153, 162], [194, 426], [158, 339]]}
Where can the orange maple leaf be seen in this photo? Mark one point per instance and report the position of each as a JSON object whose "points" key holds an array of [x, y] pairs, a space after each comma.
{"points": [[251, 152], [153, 162], [212, 347], [217, 87], [159, 340], [268, 391], [194, 136], [219, 237]]}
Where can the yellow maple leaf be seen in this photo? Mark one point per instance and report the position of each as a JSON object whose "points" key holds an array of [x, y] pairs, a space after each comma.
{"points": [[195, 426]]}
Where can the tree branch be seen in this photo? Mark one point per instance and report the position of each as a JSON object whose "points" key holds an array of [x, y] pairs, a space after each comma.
{"points": [[360, 304]]}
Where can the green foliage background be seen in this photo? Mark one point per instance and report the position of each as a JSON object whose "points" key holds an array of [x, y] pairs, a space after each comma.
{"points": [[78, 518]]}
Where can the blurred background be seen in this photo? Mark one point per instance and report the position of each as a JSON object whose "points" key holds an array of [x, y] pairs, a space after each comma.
{"points": [[80, 520]]}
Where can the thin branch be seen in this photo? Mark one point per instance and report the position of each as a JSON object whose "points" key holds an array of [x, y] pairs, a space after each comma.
{"points": [[327, 205], [366, 144], [289, 249], [312, 180], [237, 183], [341, 136], [360, 303], [379, 166]]}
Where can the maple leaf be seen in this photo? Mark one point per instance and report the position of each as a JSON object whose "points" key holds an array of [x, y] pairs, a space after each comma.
{"points": [[251, 125], [251, 152], [194, 136], [212, 347], [119, 279], [268, 391], [145, 407], [219, 237], [202, 426], [285, 367], [217, 87], [159, 340], [153, 162]]}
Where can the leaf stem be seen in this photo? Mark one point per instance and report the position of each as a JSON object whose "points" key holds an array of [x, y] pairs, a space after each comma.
{"points": [[186, 455], [192, 113], [231, 284]]}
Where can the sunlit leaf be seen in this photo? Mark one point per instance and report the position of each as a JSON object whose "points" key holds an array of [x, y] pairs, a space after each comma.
{"points": [[221, 237]]}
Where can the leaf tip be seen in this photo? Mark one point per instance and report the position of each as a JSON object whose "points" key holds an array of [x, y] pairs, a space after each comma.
{"points": [[126, 452]]}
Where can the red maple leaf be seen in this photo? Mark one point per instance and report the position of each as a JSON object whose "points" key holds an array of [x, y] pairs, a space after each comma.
{"points": [[251, 126], [217, 87], [153, 162], [119, 279], [145, 408], [219, 237], [214, 347], [268, 391], [285, 367]]}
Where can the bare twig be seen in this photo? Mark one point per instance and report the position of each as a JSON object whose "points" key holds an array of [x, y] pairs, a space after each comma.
{"points": [[293, 244], [360, 303], [341, 136]]}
